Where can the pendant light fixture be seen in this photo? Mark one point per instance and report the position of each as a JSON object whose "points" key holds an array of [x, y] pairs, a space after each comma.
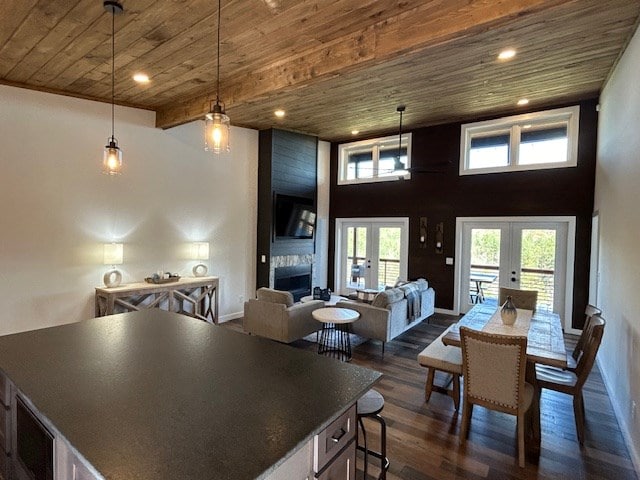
{"points": [[217, 123], [112, 156], [399, 166]]}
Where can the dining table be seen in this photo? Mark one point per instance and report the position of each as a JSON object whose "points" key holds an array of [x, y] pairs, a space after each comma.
{"points": [[545, 346]]}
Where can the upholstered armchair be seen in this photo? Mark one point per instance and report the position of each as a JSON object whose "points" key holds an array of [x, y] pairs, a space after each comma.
{"points": [[273, 314]]}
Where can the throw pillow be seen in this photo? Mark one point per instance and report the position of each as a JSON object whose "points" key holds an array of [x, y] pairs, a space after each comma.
{"points": [[387, 297]]}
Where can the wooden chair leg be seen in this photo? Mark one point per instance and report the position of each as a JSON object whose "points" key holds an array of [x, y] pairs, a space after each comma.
{"points": [[467, 411], [428, 387], [578, 412], [521, 425], [455, 393]]}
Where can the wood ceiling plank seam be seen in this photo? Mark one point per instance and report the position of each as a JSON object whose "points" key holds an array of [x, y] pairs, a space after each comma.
{"points": [[124, 32], [12, 17], [68, 28], [182, 72], [137, 43], [164, 119], [71, 62], [168, 53], [44, 16], [636, 26], [178, 80]]}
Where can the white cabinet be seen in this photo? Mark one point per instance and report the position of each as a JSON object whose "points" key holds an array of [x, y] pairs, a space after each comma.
{"points": [[70, 466], [5, 427], [334, 449], [330, 455]]}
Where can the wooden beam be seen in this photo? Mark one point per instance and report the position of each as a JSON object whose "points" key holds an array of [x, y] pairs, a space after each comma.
{"points": [[420, 28]]}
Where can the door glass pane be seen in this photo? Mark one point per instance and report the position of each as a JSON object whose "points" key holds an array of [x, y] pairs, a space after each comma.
{"points": [[484, 275], [543, 144], [356, 257], [389, 256], [489, 151], [538, 260]]}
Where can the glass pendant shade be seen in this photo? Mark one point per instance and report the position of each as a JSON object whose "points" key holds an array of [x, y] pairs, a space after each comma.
{"points": [[217, 128], [112, 158]]}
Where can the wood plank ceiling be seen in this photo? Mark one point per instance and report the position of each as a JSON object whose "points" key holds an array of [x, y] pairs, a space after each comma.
{"points": [[332, 65]]}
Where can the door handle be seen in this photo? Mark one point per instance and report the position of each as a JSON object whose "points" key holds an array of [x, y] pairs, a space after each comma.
{"points": [[513, 279]]}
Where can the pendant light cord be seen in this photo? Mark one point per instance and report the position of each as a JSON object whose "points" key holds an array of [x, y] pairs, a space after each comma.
{"points": [[218, 59], [400, 137], [113, 70]]}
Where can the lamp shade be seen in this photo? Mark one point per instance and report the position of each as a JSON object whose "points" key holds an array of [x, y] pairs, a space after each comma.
{"points": [[200, 251], [112, 158], [113, 253], [217, 128]]}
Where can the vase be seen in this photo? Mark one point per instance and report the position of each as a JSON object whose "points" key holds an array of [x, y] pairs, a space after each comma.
{"points": [[508, 313]]}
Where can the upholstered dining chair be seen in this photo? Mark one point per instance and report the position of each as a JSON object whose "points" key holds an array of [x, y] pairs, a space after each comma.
{"points": [[571, 382], [525, 299], [494, 368]]}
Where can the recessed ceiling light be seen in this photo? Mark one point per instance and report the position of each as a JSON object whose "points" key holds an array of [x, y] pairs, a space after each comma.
{"points": [[141, 78], [523, 101], [279, 113], [507, 54], [355, 132]]}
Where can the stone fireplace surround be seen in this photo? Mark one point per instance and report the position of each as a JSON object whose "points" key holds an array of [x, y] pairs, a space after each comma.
{"points": [[280, 261]]}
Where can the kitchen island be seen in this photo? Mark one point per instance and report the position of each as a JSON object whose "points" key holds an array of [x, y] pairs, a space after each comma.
{"points": [[158, 395]]}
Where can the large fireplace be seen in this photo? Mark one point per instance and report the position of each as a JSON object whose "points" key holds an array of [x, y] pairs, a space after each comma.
{"points": [[295, 279]]}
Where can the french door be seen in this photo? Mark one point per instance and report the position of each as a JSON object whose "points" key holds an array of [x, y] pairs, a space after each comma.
{"points": [[523, 254], [370, 253]]}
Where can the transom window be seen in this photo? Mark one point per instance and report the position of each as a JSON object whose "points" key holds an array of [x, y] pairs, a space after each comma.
{"points": [[532, 141], [376, 160]]}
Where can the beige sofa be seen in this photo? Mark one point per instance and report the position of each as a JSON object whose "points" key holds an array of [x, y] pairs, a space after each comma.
{"points": [[274, 315], [393, 311]]}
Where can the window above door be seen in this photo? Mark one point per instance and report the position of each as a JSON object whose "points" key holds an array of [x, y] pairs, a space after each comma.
{"points": [[375, 160], [532, 141]]}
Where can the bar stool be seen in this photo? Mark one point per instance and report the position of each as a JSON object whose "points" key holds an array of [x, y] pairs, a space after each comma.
{"points": [[369, 406]]}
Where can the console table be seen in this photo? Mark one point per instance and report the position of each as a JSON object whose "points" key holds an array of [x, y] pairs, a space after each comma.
{"points": [[196, 297]]}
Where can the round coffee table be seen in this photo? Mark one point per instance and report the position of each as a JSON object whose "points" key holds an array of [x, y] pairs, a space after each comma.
{"points": [[336, 325]]}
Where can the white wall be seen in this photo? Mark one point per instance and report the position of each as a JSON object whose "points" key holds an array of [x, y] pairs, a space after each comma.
{"points": [[321, 261], [617, 198], [57, 208]]}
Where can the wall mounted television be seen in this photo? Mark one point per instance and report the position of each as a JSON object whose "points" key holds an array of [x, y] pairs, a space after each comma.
{"points": [[294, 217]]}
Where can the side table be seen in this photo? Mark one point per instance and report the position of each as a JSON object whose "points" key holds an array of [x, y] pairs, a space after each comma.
{"points": [[336, 326], [196, 297]]}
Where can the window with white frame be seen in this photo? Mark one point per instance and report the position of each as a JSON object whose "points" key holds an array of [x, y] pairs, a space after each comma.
{"points": [[547, 139], [376, 160]]}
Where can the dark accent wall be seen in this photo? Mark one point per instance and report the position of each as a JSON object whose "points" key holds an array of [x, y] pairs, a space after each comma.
{"points": [[288, 165], [441, 197]]}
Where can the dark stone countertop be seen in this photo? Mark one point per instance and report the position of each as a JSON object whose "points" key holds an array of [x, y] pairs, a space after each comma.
{"points": [[157, 395]]}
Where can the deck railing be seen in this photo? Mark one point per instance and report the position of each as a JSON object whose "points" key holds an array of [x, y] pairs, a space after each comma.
{"points": [[388, 272], [541, 280]]}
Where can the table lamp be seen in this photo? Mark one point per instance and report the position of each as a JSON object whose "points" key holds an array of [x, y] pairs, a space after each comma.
{"points": [[200, 251], [113, 255]]}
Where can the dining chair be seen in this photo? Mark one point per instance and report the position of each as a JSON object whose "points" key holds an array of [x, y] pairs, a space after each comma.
{"points": [[589, 312], [524, 299], [571, 382], [494, 368]]}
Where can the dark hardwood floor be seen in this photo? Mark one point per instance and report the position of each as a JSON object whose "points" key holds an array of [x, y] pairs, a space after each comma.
{"points": [[422, 438]]}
